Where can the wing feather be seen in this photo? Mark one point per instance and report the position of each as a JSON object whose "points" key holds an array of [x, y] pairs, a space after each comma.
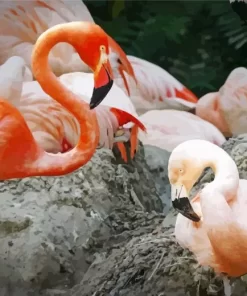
{"points": [[168, 128], [233, 100], [21, 23]]}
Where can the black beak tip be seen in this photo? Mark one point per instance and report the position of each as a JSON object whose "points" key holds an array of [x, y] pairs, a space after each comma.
{"points": [[183, 206], [99, 94], [92, 106]]}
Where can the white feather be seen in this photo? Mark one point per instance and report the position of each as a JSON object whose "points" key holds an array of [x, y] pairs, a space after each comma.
{"points": [[168, 128], [21, 23]]}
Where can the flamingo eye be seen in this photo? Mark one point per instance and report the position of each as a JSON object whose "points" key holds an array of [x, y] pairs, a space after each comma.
{"points": [[119, 61], [181, 171], [102, 48]]}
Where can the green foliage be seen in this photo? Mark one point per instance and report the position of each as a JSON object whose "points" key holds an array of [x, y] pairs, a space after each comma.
{"points": [[199, 42]]}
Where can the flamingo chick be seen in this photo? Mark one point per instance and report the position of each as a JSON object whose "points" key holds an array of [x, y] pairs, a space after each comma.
{"points": [[21, 23], [213, 226], [168, 128], [227, 108], [30, 159]]}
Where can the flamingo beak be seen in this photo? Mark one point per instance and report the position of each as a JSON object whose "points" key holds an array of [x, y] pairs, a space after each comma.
{"points": [[124, 63], [181, 202], [102, 82]]}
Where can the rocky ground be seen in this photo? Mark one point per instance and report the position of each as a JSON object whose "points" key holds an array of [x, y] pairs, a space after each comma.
{"points": [[102, 230]]}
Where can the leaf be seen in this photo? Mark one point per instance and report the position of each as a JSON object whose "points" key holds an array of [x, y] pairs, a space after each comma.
{"points": [[117, 7]]}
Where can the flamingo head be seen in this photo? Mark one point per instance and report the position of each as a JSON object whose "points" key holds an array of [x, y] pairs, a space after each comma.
{"points": [[184, 169], [122, 62], [208, 108], [91, 43]]}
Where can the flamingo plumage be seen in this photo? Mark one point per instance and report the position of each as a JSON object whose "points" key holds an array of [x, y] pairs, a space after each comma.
{"points": [[22, 23], [53, 127], [30, 159], [155, 88], [227, 108], [168, 128], [213, 226]]}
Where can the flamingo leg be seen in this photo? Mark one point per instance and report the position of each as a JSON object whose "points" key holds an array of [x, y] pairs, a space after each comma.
{"points": [[122, 150], [133, 141]]}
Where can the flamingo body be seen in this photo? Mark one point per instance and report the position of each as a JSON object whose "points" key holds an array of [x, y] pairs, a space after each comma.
{"points": [[53, 127], [227, 108], [156, 88], [168, 128], [219, 239]]}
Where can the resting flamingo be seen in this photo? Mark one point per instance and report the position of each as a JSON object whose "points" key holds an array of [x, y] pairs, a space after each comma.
{"points": [[53, 127], [155, 89], [30, 159], [168, 128], [21, 24], [213, 226], [227, 108]]}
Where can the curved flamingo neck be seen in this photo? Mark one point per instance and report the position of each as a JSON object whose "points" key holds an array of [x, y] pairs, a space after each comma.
{"points": [[59, 164], [226, 179]]}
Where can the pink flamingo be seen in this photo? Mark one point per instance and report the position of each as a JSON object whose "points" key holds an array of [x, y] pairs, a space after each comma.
{"points": [[213, 226]]}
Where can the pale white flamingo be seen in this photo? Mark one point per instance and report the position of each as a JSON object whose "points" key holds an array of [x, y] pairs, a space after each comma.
{"points": [[168, 128], [53, 127], [213, 226], [227, 108]]}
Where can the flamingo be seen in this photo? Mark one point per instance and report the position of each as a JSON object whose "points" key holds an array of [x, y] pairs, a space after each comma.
{"points": [[53, 127], [30, 159], [213, 226], [168, 128], [155, 88], [21, 23], [227, 108]]}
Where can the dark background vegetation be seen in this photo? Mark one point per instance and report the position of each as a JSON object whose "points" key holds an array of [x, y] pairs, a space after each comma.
{"points": [[199, 42]]}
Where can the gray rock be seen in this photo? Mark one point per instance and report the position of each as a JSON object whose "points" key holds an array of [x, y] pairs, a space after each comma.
{"points": [[157, 161], [51, 228]]}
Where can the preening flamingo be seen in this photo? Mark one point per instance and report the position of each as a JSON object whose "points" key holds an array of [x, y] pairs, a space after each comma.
{"points": [[168, 128], [30, 159], [227, 108], [21, 23], [54, 128], [213, 226], [155, 89]]}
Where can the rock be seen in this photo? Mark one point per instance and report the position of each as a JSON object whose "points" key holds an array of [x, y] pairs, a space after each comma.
{"points": [[157, 161], [150, 264], [51, 229]]}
